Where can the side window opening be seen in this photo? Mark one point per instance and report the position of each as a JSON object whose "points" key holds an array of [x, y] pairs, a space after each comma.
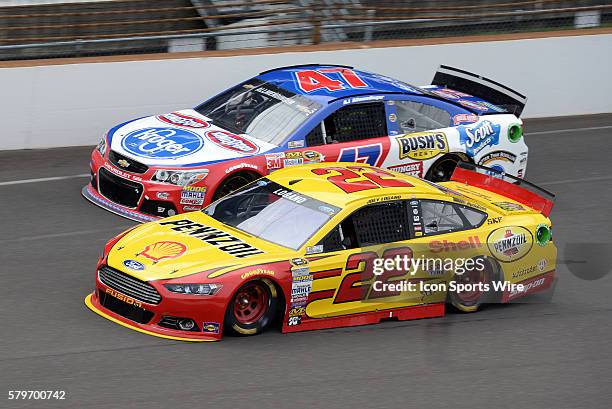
{"points": [[417, 117], [356, 122], [316, 136], [445, 217], [370, 225]]}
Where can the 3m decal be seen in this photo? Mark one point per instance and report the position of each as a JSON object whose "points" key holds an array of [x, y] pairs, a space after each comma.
{"points": [[163, 250], [422, 145], [187, 121], [232, 142], [369, 154], [220, 239], [509, 244], [479, 136], [162, 143], [368, 178]]}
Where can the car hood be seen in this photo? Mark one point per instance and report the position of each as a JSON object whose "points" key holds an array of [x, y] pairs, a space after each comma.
{"points": [[187, 244], [182, 138]]}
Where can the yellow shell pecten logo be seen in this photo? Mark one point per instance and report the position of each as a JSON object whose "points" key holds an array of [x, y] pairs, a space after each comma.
{"points": [[510, 243], [422, 145], [164, 249]]}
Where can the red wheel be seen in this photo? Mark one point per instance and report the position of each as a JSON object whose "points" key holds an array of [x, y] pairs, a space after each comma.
{"points": [[253, 308], [472, 296], [250, 303]]}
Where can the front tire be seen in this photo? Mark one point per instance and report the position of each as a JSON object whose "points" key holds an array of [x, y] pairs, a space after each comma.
{"points": [[253, 308]]}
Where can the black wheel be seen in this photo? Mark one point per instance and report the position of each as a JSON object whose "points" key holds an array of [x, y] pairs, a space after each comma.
{"points": [[442, 169], [474, 296], [253, 308], [233, 183]]}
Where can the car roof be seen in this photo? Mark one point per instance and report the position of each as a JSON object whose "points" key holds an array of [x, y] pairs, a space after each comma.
{"points": [[302, 180], [286, 77]]}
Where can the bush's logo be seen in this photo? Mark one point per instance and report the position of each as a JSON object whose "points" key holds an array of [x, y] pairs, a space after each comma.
{"points": [[510, 243], [162, 143], [183, 120], [232, 142], [422, 146], [477, 137], [164, 249]]}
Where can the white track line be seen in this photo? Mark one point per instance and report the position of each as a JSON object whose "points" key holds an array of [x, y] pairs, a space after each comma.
{"points": [[66, 234], [592, 128], [23, 181], [561, 182]]}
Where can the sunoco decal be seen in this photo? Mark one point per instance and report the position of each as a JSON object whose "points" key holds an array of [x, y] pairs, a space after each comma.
{"points": [[220, 239], [509, 244], [162, 143], [232, 142], [477, 137], [422, 146], [187, 121]]}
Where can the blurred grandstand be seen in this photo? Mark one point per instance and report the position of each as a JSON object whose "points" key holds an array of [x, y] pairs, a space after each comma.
{"points": [[51, 28]]}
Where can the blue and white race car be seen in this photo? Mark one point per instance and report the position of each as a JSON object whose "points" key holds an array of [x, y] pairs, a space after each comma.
{"points": [[166, 164]]}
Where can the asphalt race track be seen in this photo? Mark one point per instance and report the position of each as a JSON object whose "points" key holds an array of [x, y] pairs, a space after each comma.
{"points": [[529, 355]]}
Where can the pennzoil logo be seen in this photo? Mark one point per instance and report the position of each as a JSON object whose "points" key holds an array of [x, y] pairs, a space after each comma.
{"points": [[509, 244], [123, 298], [164, 249], [422, 146]]}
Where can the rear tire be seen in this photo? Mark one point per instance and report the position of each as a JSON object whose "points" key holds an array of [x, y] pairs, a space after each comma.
{"points": [[253, 308], [442, 169], [471, 301]]}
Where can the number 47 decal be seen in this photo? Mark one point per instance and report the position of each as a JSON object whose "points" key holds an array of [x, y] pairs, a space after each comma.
{"points": [[369, 154], [312, 80]]}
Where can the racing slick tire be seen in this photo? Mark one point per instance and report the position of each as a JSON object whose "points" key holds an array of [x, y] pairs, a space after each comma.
{"points": [[471, 301], [253, 308], [234, 183], [442, 169]]}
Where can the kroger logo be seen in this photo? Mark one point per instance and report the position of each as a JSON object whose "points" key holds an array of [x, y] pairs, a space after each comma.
{"points": [[134, 265], [162, 143], [477, 137]]}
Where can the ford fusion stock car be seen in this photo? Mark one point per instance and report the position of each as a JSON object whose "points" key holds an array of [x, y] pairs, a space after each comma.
{"points": [[300, 248], [167, 164]]}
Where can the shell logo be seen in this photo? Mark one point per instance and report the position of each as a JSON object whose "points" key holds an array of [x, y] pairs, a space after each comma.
{"points": [[164, 249]]}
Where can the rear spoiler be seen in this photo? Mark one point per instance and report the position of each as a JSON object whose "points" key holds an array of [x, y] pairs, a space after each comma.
{"points": [[509, 186], [481, 87]]}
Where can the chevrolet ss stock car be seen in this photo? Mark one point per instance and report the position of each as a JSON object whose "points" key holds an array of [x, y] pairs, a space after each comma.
{"points": [[301, 245], [167, 164]]}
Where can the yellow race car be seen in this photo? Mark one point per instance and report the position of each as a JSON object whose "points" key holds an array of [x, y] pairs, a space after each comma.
{"points": [[328, 245]]}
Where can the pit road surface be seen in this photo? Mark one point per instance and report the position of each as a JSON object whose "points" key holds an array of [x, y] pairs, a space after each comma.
{"points": [[549, 356]]}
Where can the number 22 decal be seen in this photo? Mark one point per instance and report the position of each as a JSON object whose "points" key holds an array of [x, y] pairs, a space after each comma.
{"points": [[375, 178]]}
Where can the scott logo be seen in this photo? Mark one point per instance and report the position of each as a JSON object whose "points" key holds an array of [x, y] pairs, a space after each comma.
{"points": [[162, 143], [232, 142], [183, 120], [475, 138]]}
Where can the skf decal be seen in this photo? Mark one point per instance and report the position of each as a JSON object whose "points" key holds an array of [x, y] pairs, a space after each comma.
{"points": [[220, 239], [187, 121], [479, 136], [509, 244], [232, 142], [422, 145], [164, 249]]}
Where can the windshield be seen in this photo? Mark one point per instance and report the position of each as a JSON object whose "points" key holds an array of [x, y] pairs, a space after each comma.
{"points": [[272, 212], [259, 109]]}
